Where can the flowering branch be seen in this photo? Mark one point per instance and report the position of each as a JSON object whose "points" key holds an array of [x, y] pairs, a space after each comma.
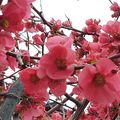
{"points": [[68, 28]]}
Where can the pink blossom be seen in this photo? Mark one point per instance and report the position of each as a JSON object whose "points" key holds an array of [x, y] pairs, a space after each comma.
{"points": [[11, 20], [116, 9], [37, 39], [112, 28], [31, 112], [30, 26], [24, 5], [12, 62], [59, 40], [58, 63], [100, 84], [115, 6], [3, 61], [56, 25], [39, 27], [57, 87], [104, 38], [67, 23], [56, 116], [6, 41], [33, 85], [92, 26]]}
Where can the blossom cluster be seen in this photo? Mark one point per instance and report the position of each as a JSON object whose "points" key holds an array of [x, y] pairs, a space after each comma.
{"points": [[92, 68]]}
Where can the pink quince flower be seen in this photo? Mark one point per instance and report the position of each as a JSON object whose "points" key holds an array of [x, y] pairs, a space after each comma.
{"points": [[100, 84], [12, 62], [56, 85], [56, 25], [33, 85], [6, 41], [116, 9], [56, 116], [113, 29], [67, 23], [3, 61], [58, 63], [61, 40], [24, 5], [37, 39], [92, 26], [11, 20]]}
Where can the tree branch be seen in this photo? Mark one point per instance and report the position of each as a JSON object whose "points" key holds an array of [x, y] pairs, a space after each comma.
{"points": [[43, 19], [1, 2], [80, 110], [57, 106], [73, 100]]}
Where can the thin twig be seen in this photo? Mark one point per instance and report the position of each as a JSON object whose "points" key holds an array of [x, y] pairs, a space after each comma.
{"points": [[10, 75], [40, 14], [63, 104], [115, 56], [68, 28], [15, 55], [58, 106], [110, 1], [73, 100]]}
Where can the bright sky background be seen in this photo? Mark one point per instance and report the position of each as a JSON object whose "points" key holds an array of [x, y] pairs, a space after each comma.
{"points": [[77, 10]]}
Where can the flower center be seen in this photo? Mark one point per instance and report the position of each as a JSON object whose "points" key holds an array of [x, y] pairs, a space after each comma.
{"points": [[34, 79], [99, 80], [61, 64], [4, 23], [117, 36]]}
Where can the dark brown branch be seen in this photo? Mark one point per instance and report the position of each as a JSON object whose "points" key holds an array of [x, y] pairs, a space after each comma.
{"points": [[62, 104], [110, 1], [114, 118], [80, 110], [1, 2], [10, 75], [43, 19], [68, 28], [76, 30], [15, 55], [73, 100], [57, 106], [79, 67], [114, 56]]}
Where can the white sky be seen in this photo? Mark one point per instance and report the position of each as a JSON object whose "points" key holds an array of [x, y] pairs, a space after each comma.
{"points": [[77, 10]]}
